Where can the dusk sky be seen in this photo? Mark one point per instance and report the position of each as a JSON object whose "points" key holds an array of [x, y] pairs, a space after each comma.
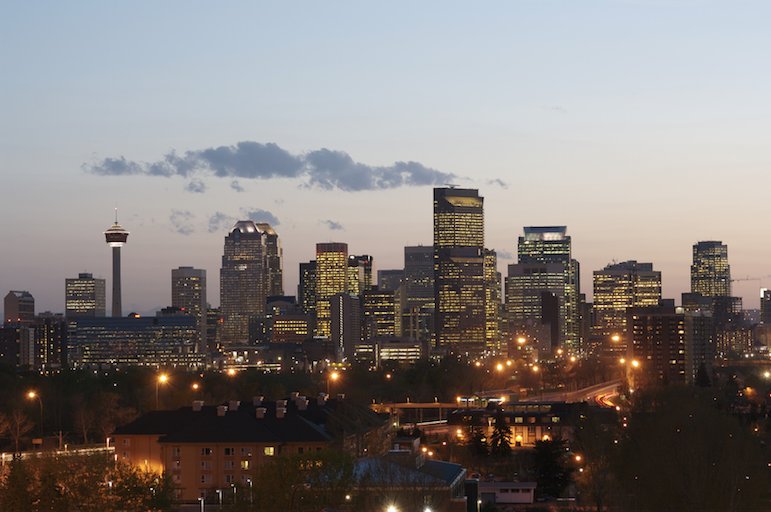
{"points": [[643, 126]]}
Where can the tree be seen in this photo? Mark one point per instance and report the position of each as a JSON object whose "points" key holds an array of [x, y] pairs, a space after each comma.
{"points": [[553, 468], [500, 440], [688, 455], [20, 425], [477, 441], [596, 445]]}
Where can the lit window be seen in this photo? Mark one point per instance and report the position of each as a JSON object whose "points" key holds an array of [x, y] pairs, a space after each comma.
{"points": [[270, 451]]}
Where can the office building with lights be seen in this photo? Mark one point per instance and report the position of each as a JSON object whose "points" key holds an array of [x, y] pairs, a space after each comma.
{"points": [[381, 314], [188, 293], [418, 293], [459, 279], [274, 260], [243, 281], [617, 288], [546, 273], [345, 324], [492, 301], [391, 279], [359, 274], [710, 271], [331, 279], [161, 341], [85, 296]]}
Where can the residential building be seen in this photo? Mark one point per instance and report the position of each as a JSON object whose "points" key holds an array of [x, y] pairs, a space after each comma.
{"points": [[19, 308]]}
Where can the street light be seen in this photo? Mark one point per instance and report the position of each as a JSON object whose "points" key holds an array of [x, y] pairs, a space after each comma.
{"points": [[537, 370], [162, 379], [332, 377], [201, 500], [34, 395]]}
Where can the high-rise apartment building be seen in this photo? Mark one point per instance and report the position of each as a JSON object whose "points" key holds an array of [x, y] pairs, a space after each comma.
{"points": [[243, 281], [669, 343], [710, 272], [188, 293], [331, 279], [546, 272], [492, 301], [459, 281], [50, 341], [274, 260], [618, 287], [19, 308], [85, 296]]}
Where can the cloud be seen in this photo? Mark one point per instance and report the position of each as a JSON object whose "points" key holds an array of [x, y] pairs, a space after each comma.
{"points": [[181, 221], [258, 215], [235, 185], [196, 186], [220, 222], [498, 182], [504, 255], [323, 168], [334, 226]]}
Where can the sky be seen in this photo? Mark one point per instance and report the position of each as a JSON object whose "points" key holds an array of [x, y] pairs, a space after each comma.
{"points": [[641, 125]]}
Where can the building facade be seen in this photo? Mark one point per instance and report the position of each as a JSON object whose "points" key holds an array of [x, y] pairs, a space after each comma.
{"points": [[459, 280], [188, 293], [19, 308], [710, 272], [331, 279], [618, 287], [243, 282], [85, 296]]}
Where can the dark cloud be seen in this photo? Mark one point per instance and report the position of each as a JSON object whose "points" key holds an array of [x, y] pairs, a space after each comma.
{"points": [[196, 186], [258, 215], [498, 182], [181, 221], [323, 168], [235, 185], [334, 226], [220, 222]]}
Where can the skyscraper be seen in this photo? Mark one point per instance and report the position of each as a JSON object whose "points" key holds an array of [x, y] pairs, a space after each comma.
{"points": [[492, 300], [710, 272], [188, 293], [381, 315], [344, 324], [19, 308], [618, 287], [85, 296], [243, 281], [548, 271], [390, 279], [274, 257], [306, 289], [359, 273], [331, 279], [116, 238], [418, 292], [459, 284]]}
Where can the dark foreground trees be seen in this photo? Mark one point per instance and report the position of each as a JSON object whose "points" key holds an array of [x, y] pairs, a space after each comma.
{"points": [[80, 483]]}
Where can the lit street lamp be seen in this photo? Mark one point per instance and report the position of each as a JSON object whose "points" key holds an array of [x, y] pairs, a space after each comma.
{"points": [[161, 379], [332, 377]]}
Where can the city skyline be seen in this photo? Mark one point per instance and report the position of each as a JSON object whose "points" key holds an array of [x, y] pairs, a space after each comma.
{"points": [[571, 129]]}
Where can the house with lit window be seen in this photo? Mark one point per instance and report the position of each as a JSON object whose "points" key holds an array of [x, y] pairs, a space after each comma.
{"points": [[206, 448]]}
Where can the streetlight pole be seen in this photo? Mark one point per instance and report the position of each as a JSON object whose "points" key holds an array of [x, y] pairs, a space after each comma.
{"points": [[32, 395]]}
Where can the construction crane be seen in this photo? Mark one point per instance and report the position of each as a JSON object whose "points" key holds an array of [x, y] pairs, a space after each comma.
{"points": [[748, 278]]}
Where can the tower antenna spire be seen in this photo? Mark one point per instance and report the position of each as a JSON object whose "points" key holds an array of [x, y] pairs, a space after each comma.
{"points": [[116, 215]]}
